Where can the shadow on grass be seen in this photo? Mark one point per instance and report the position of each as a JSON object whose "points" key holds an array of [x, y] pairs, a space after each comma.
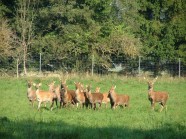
{"points": [[30, 129]]}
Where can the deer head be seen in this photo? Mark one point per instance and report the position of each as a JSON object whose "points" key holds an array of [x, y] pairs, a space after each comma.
{"points": [[151, 83]]}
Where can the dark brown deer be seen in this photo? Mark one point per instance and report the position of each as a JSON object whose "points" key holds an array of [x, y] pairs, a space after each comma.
{"points": [[44, 96], [31, 94], [94, 98], [117, 99], [67, 96], [156, 96]]}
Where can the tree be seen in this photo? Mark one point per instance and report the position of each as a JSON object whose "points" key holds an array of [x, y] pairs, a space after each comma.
{"points": [[162, 29], [24, 25]]}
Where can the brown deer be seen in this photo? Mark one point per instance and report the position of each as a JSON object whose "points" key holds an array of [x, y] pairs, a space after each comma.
{"points": [[67, 96], [156, 96], [44, 96], [105, 100], [31, 94], [56, 90], [117, 99], [80, 94], [94, 98]]}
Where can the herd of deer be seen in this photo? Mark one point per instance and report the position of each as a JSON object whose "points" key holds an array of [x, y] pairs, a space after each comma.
{"points": [[86, 98]]}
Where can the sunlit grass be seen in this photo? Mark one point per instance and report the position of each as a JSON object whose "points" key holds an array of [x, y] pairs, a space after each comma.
{"points": [[18, 119]]}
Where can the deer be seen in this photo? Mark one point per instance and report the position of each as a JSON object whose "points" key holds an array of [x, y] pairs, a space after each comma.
{"points": [[80, 94], [160, 97], [44, 96], [56, 90], [31, 94], [117, 99], [67, 96], [94, 98], [105, 100]]}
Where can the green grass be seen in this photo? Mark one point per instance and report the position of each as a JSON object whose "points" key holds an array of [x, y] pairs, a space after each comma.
{"points": [[19, 120]]}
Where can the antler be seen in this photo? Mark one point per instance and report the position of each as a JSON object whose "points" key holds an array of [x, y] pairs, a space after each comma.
{"points": [[155, 80], [146, 79]]}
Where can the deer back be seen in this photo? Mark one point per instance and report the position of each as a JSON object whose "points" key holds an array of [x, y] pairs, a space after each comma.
{"points": [[43, 95], [105, 98], [95, 97]]}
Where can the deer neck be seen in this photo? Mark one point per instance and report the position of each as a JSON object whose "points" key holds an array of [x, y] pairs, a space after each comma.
{"points": [[113, 96], [77, 91], [29, 89], [150, 90], [37, 91]]}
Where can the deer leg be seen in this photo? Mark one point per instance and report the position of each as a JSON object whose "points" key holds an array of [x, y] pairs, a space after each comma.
{"points": [[51, 107], [32, 103], [77, 104], [94, 106], [56, 103], [100, 105], [39, 105], [152, 105], [114, 106], [61, 104], [161, 108]]}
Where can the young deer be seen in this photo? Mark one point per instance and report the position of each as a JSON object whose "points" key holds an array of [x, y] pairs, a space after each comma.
{"points": [[94, 98], [31, 94], [56, 91], [44, 96], [156, 96], [105, 100], [80, 94], [67, 96], [117, 99]]}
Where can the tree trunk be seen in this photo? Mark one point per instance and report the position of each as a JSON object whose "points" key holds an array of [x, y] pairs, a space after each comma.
{"points": [[17, 68], [24, 59]]}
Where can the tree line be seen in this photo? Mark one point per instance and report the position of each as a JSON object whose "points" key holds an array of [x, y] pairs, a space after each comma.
{"points": [[67, 30]]}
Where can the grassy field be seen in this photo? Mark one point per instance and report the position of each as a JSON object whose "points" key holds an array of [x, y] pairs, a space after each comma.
{"points": [[18, 119]]}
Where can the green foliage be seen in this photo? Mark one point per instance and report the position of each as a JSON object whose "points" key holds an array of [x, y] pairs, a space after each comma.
{"points": [[65, 31], [162, 25]]}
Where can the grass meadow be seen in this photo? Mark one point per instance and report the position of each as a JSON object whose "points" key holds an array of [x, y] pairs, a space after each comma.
{"points": [[18, 119]]}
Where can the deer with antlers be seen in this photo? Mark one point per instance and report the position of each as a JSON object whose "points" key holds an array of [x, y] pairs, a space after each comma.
{"points": [[117, 99], [67, 96], [156, 96]]}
